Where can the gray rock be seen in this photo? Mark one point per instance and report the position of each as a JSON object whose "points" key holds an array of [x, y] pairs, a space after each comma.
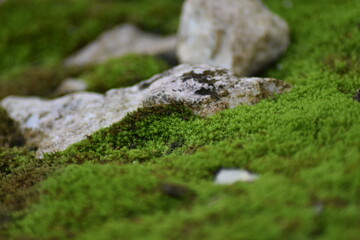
{"points": [[122, 40], [208, 90], [230, 176], [71, 85], [53, 125], [241, 35]]}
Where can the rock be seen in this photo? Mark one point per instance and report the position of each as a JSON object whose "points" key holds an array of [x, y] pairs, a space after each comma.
{"points": [[230, 176], [241, 35], [208, 90], [357, 96], [71, 85], [122, 40], [53, 125]]}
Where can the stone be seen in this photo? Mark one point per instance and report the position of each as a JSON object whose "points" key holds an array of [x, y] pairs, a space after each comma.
{"points": [[230, 176], [71, 85], [357, 96], [241, 35], [53, 125], [122, 40]]}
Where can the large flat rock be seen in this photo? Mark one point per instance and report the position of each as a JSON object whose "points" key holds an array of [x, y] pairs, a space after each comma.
{"points": [[53, 125]]}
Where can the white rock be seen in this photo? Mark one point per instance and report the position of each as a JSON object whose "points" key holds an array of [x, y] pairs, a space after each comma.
{"points": [[53, 125], [122, 40], [241, 35], [71, 85], [230, 176]]}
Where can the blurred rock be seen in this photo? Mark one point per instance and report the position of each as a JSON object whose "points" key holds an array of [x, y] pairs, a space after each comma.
{"points": [[53, 125], [241, 35], [122, 40], [357, 96], [71, 85], [230, 176]]}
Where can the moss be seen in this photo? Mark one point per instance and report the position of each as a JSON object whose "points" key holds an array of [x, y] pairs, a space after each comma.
{"points": [[151, 175], [140, 136], [123, 72], [93, 205], [19, 172], [10, 134], [38, 81], [58, 28]]}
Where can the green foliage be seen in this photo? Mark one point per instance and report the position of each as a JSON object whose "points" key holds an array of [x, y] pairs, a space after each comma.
{"points": [[304, 145], [38, 32], [123, 72]]}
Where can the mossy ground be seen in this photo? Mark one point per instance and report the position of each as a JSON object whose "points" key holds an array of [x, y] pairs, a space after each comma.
{"points": [[151, 175], [36, 36], [124, 71]]}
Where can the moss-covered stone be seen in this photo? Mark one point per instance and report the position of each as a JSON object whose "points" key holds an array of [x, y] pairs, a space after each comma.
{"points": [[37, 32], [140, 136], [304, 145]]}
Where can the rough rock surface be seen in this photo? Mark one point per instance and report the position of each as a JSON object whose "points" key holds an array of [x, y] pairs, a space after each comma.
{"points": [[241, 35], [122, 40], [230, 176], [53, 125]]}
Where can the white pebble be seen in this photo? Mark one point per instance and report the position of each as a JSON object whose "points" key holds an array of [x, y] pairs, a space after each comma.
{"points": [[230, 176]]}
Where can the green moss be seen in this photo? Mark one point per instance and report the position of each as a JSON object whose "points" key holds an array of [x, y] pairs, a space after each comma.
{"points": [[58, 28], [125, 196], [38, 81], [140, 136], [123, 72], [19, 172], [10, 135], [304, 145]]}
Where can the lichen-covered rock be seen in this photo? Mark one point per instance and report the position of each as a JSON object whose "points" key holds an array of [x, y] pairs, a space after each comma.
{"points": [[207, 90], [120, 41], [53, 125], [241, 35]]}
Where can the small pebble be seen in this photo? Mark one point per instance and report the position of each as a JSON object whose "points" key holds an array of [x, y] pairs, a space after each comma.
{"points": [[230, 176]]}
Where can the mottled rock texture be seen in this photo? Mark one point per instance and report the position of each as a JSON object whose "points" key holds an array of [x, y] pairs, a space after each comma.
{"points": [[241, 35], [53, 125], [120, 41]]}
